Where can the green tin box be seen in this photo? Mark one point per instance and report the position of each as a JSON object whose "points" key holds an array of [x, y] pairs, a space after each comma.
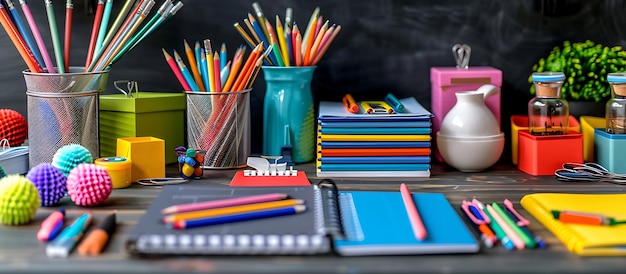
{"points": [[156, 114]]}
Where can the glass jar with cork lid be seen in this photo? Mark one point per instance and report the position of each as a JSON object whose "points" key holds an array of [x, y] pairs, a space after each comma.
{"points": [[548, 114], [616, 106]]}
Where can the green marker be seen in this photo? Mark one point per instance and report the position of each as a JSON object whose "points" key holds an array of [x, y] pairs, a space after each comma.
{"points": [[506, 242], [528, 241]]}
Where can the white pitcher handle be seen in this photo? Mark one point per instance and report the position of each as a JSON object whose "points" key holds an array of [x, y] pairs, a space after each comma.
{"points": [[487, 90]]}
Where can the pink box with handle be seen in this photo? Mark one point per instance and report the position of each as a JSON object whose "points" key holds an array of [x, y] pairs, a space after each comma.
{"points": [[446, 81]]}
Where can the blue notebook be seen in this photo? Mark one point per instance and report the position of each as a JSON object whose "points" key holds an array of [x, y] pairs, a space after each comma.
{"points": [[375, 160], [389, 130], [373, 167], [376, 124], [383, 228], [367, 144], [347, 223]]}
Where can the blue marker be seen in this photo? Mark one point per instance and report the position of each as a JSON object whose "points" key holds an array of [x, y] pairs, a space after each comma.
{"points": [[63, 245], [394, 102]]}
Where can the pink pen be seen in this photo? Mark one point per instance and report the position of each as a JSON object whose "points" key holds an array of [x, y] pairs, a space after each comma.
{"points": [[51, 226]]}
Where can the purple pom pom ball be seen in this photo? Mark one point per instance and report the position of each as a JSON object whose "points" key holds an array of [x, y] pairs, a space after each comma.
{"points": [[50, 182]]}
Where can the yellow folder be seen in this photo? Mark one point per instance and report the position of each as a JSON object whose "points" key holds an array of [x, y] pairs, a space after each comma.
{"points": [[585, 240]]}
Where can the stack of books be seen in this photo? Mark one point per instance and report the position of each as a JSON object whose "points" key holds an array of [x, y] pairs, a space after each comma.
{"points": [[373, 145]]}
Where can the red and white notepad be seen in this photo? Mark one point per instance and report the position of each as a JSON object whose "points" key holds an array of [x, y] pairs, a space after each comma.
{"points": [[279, 178], [268, 175]]}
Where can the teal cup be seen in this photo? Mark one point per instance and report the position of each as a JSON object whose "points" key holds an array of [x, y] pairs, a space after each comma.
{"points": [[288, 112]]}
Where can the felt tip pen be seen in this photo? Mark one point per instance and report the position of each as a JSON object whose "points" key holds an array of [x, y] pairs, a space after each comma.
{"points": [[585, 218], [51, 226], [63, 245], [350, 104], [394, 102], [98, 237]]}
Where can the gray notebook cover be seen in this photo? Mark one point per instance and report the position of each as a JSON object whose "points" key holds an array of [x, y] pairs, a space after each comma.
{"points": [[301, 233]]}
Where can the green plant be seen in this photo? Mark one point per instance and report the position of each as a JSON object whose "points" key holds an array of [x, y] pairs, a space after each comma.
{"points": [[585, 65]]}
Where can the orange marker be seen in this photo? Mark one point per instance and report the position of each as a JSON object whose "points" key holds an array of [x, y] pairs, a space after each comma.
{"points": [[350, 104], [98, 238], [585, 218]]}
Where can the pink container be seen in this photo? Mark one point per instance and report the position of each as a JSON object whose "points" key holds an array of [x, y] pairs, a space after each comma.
{"points": [[446, 81]]}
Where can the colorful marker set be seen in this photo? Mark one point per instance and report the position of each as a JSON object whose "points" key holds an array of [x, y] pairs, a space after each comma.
{"points": [[494, 223], [210, 70], [231, 210], [61, 241], [107, 44], [290, 47]]}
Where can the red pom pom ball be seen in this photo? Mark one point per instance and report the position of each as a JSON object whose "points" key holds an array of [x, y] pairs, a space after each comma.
{"points": [[13, 127]]}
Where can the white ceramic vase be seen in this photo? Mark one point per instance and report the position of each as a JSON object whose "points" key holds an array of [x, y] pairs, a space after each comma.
{"points": [[470, 138]]}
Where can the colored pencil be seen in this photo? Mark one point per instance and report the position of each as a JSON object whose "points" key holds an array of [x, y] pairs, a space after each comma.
{"points": [[307, 31], [176, 70], [224, 203], [246, 70], [223, 56], [224, 74], [289, 44], [18, 42], [56, 43], [210, 64], [69, 9], [35, 30], [316, 43], [21, 27], [252, 31], [217, 69], [258, 30], [416, 221], [185, 72], [192, 63], [234, 69], [244, 35], [159, 16], [297, 51], [204, 70], [261, 18], [94, 31], [288, 17], [102, 31], [117, 23], [282, 42], [325, 47], [184, 224], [236, 209]]}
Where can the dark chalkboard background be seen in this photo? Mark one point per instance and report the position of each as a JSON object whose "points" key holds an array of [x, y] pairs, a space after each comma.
{"points": [[384, 45]]}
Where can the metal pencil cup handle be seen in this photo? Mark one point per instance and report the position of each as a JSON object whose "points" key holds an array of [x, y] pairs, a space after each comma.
{"points": [[219, 123], [62, 109]]}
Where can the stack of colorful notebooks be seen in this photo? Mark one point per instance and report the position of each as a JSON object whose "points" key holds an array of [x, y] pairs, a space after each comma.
{"points": [[373, 145]]}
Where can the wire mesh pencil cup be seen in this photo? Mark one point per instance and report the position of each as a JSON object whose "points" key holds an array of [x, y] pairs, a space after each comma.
{"points": [[62, 109], [219, 123]]}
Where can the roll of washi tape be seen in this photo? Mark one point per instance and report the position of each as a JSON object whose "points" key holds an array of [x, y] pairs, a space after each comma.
{"points": [[119, 169]]}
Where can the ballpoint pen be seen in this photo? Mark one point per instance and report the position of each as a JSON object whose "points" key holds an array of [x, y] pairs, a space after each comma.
{"points": [[350, 104], [63, 245]]}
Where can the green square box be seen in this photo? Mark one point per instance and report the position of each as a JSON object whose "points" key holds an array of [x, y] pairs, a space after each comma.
{"points": [[155, 114]]}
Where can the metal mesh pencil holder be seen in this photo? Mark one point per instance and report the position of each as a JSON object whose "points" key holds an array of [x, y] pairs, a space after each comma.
{"points": [[219, 123], [62, 109]]}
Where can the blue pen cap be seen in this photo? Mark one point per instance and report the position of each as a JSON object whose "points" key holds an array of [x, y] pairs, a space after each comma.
{"points": [[548, 76]]}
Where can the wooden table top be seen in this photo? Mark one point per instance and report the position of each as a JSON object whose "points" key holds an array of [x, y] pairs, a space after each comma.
{"points": [[20, 251]]}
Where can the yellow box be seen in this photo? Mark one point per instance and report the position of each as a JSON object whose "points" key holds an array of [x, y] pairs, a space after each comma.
{"points": [[147, 155], [520, 122], [588, 124]]}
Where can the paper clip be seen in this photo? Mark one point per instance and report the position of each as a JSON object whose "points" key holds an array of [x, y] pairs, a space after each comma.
{"points": [[161, 181], [376, 107], [131, 86]]}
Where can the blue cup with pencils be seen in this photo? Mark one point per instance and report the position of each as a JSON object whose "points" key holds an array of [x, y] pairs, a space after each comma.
{"points": [[290, 58]]}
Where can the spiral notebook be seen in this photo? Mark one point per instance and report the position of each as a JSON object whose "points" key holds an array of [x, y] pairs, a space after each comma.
{"points": [[342, 222]]}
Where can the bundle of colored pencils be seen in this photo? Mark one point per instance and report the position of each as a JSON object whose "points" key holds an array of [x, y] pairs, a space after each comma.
{"points": [[107, 43], [290, 46], [211, 70], [230, 210]]}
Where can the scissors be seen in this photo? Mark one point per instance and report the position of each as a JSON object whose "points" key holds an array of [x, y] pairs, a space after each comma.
{"points": [[588, 172], [161, 181]]}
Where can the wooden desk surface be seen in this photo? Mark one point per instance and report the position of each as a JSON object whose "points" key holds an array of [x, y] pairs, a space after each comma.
{"points": [[20, 251]]}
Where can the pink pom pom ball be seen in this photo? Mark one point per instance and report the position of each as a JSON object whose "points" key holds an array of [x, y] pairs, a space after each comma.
{"points": [[89, 185]]}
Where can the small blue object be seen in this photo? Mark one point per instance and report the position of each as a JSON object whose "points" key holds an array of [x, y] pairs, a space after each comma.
{"points": [[181, 159], [190, 161], [616, 77], [394, 102], [548, 76]]}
